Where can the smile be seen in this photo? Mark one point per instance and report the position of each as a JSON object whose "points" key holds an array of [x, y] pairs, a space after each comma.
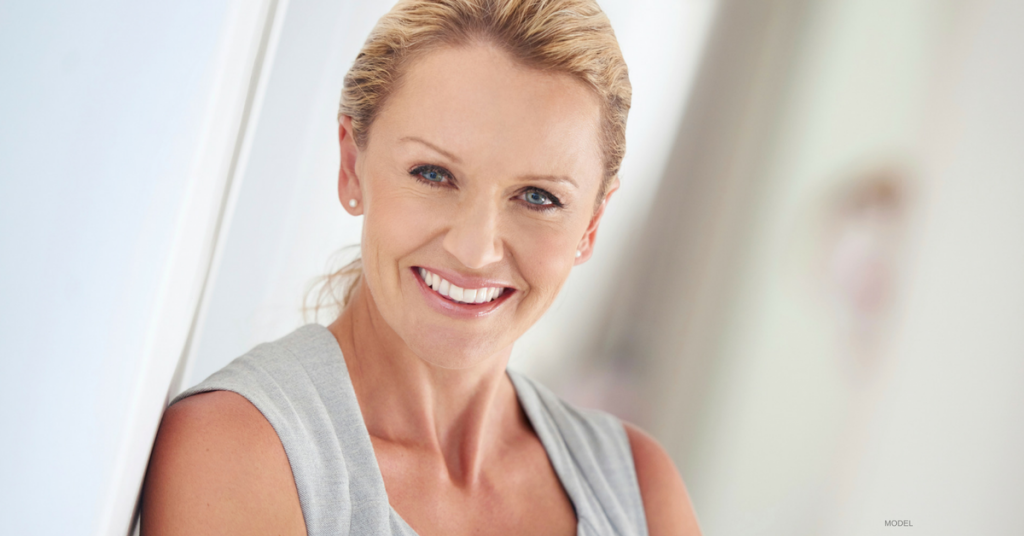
{"points": [[458, 294]]}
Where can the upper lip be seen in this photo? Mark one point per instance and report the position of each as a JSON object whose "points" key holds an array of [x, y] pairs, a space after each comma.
{"points": [[466, 281]]}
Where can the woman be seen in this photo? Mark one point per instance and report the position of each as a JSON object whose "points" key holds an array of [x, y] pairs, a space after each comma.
{"points": [[481, 141]]}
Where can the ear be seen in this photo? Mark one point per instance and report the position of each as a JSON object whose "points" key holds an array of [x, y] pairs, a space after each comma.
{"points": [[586, 247], [349, 188]]}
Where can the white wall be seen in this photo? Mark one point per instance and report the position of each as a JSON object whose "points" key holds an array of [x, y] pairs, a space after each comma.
{"points": [[804, 432], [942, 446], [117, 127], [783, 389]]}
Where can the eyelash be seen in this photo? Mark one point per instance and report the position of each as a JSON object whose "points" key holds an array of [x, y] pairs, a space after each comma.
{"points": [[418, 172]]}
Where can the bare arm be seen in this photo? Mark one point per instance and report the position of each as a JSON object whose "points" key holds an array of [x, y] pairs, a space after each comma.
{"points": [[218, 467], [666, 502]]}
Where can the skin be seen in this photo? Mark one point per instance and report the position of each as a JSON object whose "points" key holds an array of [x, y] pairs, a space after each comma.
{"points": [[456, 452]]}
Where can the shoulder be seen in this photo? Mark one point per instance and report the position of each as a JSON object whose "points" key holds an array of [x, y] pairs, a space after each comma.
{"points": [[218, 467], [666, 501], [599, 443]]}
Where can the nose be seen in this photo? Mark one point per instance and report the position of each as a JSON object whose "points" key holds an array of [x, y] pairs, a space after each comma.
{"points": [[473, 237]]}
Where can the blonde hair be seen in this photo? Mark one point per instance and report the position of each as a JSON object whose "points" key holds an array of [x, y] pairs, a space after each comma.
{"points": [[565, 36]]}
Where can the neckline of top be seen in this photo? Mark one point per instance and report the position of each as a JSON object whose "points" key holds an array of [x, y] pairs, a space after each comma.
{"points": [[532, 414]]}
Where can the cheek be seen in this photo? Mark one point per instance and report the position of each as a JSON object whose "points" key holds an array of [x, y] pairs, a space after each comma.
{"points": [[398, 221], [544, 256]]}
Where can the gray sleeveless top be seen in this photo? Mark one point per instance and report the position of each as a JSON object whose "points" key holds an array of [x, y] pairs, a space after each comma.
{"points": [[301, 385]]}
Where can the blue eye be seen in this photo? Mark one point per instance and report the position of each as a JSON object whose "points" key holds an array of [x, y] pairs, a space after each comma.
{"points": [[536, 197], [432, 175]]}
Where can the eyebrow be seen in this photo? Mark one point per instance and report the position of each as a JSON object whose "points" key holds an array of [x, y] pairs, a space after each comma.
{"points": [[422, 141], [561, 179]]}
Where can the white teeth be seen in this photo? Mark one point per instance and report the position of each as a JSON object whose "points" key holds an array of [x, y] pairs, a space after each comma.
{"points": [[472, 295]]}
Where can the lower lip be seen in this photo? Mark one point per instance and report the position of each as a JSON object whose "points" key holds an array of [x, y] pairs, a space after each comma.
{"points": [[456, 309]]}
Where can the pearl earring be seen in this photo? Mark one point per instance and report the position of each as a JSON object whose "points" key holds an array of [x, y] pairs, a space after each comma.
{"points": [[579, 253], [352, 203]]}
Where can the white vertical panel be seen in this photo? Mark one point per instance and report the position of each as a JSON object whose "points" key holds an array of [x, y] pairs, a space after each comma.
{"points": [[245, 46], [119, 125]]}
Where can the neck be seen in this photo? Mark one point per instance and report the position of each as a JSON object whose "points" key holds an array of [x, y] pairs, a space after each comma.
{"points": [[459, 414]]}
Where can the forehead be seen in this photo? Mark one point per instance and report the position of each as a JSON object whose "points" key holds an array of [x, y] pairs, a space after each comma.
{"points": [[482, 106]]}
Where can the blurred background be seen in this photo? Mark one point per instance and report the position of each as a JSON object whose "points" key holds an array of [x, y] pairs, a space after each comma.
{"points": [[810, 287]]}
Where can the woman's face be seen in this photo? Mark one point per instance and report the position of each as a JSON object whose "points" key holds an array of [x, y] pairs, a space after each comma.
{"points": [[478, 184]]}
